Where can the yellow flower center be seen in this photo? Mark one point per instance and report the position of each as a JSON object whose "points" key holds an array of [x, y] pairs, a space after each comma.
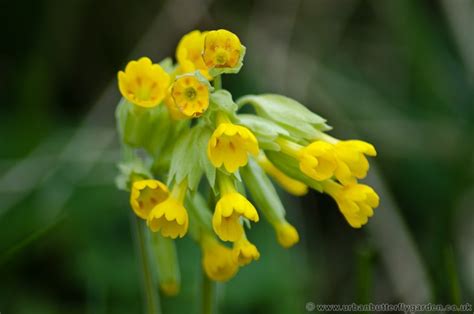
{"points": [[190, 96], [190, 93], [221, 57]]}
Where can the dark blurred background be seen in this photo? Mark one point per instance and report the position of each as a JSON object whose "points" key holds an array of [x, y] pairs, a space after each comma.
{"points": [[397, 73]]}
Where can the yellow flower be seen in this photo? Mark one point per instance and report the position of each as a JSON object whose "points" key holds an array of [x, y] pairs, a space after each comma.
{"points": [[217, 261], [226, 219], [355, 201], [170, 217], [286, 234], [229, 209], [189, 53], [190, 96], [290, 185], [318, 161], [230, 145], [145, 195], [222, 49], [173, 109], [143, 83], [244, 252], [351, 160]]}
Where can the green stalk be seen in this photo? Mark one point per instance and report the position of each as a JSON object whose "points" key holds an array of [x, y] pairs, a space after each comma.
{"points": [[364, 274], [151, 292], [209, 299], [217, 82]]}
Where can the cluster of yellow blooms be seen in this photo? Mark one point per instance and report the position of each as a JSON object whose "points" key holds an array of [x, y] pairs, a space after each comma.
{"points": [[178, 125]]}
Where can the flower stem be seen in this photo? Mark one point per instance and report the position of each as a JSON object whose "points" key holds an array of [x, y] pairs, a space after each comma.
{"points": [[151, 291], [209, 299], [218, 82]]}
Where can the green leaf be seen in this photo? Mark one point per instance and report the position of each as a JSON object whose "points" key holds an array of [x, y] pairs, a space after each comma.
{"points": [[265, 130], [183, 161], [202, 139], [290, 167], [234, 70], [222, 100], [130, 170], [189, 159], [298, 120]]}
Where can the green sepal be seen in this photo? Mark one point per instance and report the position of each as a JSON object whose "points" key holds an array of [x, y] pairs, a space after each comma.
{"points": [[263, 192], [166, 257], [162, 162], [218, 71], [130, 171], [142, 127], [159, 132], [167, 65], [290, 167], [220, 101], [189, 159], [298, 120], [199, 211], [121, 113], [265, 130]]}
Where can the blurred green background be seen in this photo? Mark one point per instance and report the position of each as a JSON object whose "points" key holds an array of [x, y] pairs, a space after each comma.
{"points": [[397, 73]]}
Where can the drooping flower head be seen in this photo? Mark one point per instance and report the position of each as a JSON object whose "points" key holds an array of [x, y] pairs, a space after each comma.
{"points": [[170, 217], [189, 53], [230, 145], [217, 260], [286, 234], [222, 49], [355, 201], [143, 83], [190, 96], [317, 160], [232, 205], [145, 195], [351, 160], [244, 252]]}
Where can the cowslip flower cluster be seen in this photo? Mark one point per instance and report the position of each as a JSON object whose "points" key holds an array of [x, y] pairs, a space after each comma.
{"points": [[195, 165]]}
